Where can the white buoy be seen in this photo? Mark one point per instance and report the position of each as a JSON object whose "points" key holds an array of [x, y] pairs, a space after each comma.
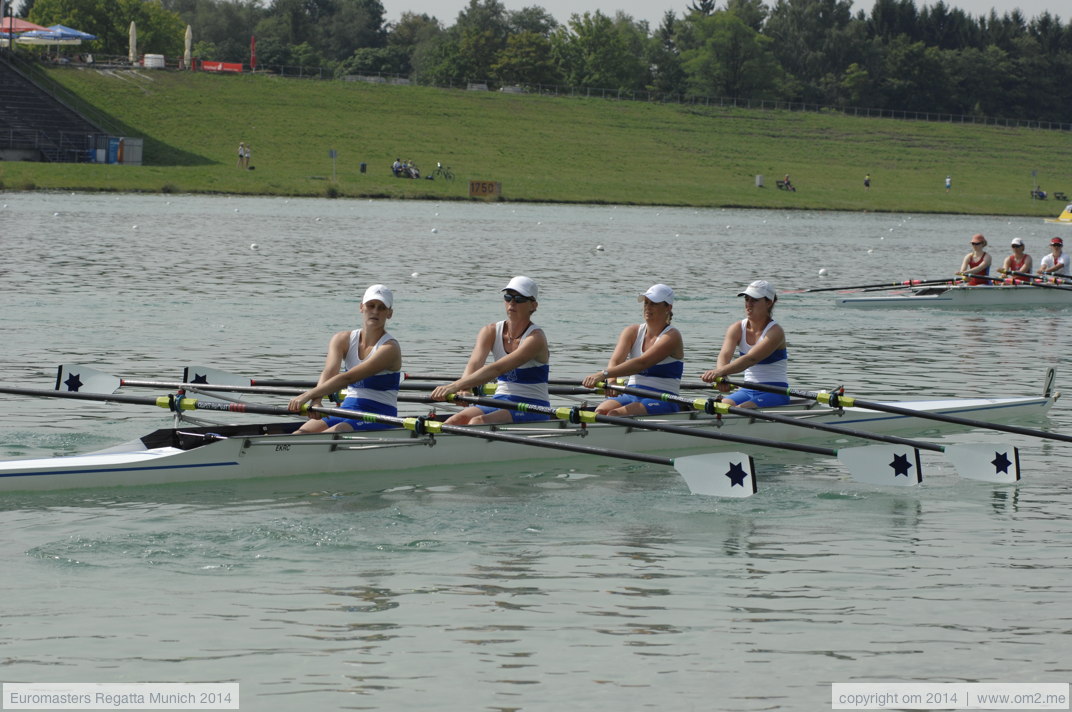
{"points": [[870, 251], [236, 210], [253, 246], [55, 215], [822, 271], [415, 274], [133, 227], [434, 230], [599, 248]]}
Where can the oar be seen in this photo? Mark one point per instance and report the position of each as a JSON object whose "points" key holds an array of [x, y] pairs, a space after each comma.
{"points": [[969, 465], [432, 381], [890, 285], [1032, 284], [837, 400], [720, 474], [1052, 278], [170, 402], [866, 464]]}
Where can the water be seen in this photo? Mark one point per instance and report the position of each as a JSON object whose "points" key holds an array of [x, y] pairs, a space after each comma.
{"points": [[544, 587]]}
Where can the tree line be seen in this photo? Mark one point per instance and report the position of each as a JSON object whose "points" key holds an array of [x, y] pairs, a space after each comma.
{"points": [[898, 56]]}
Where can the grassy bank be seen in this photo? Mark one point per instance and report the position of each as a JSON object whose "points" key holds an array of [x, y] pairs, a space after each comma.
{"points": [[543, 148]]}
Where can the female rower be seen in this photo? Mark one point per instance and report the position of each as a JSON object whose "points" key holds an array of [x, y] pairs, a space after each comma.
{"points": [[759, 343], [1056, 262], [520, 362], [651, 354], [370, 361], [976, 262], [1018, 261]]}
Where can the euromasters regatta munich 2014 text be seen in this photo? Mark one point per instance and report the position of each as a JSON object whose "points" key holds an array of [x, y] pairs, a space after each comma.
{"points": [[103, 698]]}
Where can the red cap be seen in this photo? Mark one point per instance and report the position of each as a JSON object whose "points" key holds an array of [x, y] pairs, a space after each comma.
{"points": [[1057, 241]]}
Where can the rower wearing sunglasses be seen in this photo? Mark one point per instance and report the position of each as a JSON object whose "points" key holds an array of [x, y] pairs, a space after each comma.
{"points": [[1018, 261], [976, 262], [520, 361], [651, 354]]}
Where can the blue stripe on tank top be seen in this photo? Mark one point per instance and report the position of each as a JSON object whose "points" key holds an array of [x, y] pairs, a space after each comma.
{"points": [[665, 370], [775, 357], [533, 374], [380, 382]]}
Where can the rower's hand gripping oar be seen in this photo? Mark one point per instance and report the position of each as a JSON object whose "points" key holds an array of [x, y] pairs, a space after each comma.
{"points": [[874, 464], [966, 464]]}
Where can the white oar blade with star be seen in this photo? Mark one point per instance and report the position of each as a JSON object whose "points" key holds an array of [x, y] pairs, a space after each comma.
{"points": [[989, 462], [83, 379], [719, 474], [888, 465], [214, 377]]}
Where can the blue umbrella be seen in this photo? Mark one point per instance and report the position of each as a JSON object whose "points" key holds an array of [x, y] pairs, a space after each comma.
{"points": [[71, 32]]}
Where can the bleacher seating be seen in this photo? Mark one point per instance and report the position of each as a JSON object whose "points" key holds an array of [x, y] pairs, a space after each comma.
{"points": [[32, 119]]}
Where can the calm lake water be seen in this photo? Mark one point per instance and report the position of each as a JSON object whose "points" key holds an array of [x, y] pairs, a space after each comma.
{"points": [[543, 587]]}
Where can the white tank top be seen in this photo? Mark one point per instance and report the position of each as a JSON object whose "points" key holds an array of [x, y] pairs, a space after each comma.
{"points": [[381, 387], [664, 376], [528, 380], [774, 369]]}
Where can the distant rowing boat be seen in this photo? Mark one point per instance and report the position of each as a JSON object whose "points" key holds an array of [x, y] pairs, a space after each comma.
{"points": [[392, 458], [1011, 296], [1065, 218]]}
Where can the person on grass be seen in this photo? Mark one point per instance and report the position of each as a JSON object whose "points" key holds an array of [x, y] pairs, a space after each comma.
{"points": [[652, 356], [756, 346], [520, 361], [367, 362]]}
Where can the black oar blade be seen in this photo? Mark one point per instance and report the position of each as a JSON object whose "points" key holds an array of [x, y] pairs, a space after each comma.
{"points": [[719, 474], [989, 462], [888, 465]]}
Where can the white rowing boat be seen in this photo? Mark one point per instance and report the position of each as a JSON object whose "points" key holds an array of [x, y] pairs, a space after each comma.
{"points": [[392, 458], [1001, 296]]}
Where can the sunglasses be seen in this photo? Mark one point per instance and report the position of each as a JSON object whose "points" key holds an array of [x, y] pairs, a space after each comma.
{"points": [[978, 243], [517, 298]]}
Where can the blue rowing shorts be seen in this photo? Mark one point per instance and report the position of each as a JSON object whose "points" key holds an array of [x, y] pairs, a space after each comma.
{"points": [[762, 399], [519, 416], [654, 406], [368, 406]]}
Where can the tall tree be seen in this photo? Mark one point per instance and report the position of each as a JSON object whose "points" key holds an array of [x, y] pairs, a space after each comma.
{"points": [[731, 59], [592, 51]]}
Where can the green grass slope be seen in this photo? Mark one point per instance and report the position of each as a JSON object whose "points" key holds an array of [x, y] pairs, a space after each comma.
{"points": [[543, 148]]}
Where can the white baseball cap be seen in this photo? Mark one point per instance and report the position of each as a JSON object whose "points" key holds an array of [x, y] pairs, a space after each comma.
{"points": [[658, 293], [378, 291], [1016, 242], [760, 289], [523, 286]]}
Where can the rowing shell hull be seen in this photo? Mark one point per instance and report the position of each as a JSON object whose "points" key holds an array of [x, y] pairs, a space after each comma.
{"points": [[1003, 296], [392, 458]]}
